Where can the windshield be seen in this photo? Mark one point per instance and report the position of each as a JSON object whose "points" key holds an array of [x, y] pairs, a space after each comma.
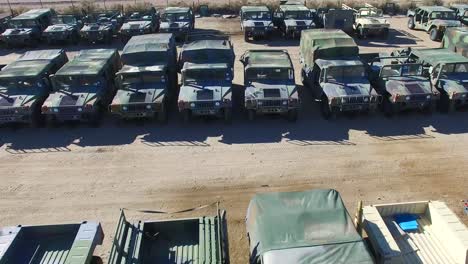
{"points": [[142, 80], [342, 73], [174, 17], [24, 23], [64, 20], [443, 15], [139, 17], [264, 74], [370, 12], [24, 83], [401, 70], [297, 15], [77, 83], [455, 68], [201, 75], [257, 16]]}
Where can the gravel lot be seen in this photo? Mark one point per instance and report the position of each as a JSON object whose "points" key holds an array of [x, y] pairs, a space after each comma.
{"points": [[75, 173]]}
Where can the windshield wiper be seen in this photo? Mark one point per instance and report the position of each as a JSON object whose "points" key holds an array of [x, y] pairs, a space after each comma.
{"points": [[67, 93]]}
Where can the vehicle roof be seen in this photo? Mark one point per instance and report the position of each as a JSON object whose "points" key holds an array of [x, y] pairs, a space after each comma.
{"points": [[341, 62], [195, 66], [31, 63], [293, 8], [87, 62], [96, 54], [148, 43], [439, 56], [255, 9], [33, 13], [137, 69], [207, 44], [49, 54], [176, 9], [268, 58], [459, 6], [436, 8], [4, 15]]}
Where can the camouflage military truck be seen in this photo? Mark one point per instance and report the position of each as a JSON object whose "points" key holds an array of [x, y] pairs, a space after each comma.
{"points": [[101, 27], [139, 23], [332, 69], [270, 87], [147, 82], [369, 21], [256, 22], [401, 84], [179, 21], [433, 19], [26, 29], [448, 72], [456, 40], [206, 75], [25, 85], [462, 12], [83, 88], [292, 2], [335, 19], [390, 8], [292, 19], [64, 28]]}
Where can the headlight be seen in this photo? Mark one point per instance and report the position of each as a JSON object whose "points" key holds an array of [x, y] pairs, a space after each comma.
{"points": [[56, 110], [148, 107], [192, 104], [124, 108], [16, 111], [285, 102], [408, 98], [366, 99], [463, 95], [217, 103], [80, 109], [428, 97], [260, 103], [142, 30], [292, 27]]}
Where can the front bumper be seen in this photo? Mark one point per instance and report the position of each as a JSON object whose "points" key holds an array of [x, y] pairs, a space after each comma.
{"points": [[258, 32], [205, 108], [374, 30], [17, 39], [355, 104], [73, 113], [57, 36], [418, 101], [94, 36], [177, 32], [134, 111], [131, 33], [270, 106]]}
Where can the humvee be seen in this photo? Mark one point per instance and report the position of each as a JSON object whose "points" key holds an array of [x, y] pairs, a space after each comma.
{"points": [[432, 19], [147, 82], [179, 21], [292, 19], [456, 40], [25, 84], [331, 18], [448, 72], [390, 8], [270, 87], [369, 21], [401, 84], [26, 29], [292, 2], [206, 74], [64, 28], [256, 22], [333, 71], [139, 23], [83, 88], [462, 12], [102, 26]]}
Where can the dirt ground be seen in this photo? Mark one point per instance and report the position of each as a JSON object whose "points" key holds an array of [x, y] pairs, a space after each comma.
{"points": [[76, 173]]}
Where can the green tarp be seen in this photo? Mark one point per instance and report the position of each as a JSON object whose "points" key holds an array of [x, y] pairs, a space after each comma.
{"points": [[456, 40]]}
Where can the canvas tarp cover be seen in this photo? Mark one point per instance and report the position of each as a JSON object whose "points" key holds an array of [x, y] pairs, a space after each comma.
{"points": [[277, 221], [326, 44], [40, 55], [436, 56], [207, 51], [456, 39], [145, 50]]}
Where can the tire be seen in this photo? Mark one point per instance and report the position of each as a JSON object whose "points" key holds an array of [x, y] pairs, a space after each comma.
{"points": [[96, 260], [434, 34], [95, 120], [385, 33], [411, 23], [37, 118], [162, 116], [292, 115], [186, 116], [303, 78], [251, 114], [325, 108], [359, 33], [75, 38], [227, 115], [387, 107]]}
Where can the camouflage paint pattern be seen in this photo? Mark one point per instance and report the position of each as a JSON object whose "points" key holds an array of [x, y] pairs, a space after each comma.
{"points": [[294, 26], [65, 28], [456, 40], [139, 23], [101, 27], [26, 35], [258, 26], [373, 23], [180, 28]]}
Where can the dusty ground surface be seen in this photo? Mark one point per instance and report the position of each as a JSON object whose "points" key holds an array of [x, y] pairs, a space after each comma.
{"points": [[75, 173]]}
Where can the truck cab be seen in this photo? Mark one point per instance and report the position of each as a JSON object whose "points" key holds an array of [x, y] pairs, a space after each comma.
{"points": [[179, 21], [292, 19], [139, 23], [101, 26], [256, 21], [64, 28]]}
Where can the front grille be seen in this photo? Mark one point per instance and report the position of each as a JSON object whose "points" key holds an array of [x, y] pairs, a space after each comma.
{"points": [[419, 97], [204, 105], [7, 112], [68, 110], [136, 108], [271, 103], [354, 100]]}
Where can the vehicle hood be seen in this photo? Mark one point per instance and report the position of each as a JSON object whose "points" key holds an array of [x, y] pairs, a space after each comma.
{"points": [[59, 28], [178, 24], [192, 92], [356, 88], [297, 23], [132, 25], [155, 94], [446, 23], [454, 85], [17, 31], [408, 85], [256, 23], [256, 91], [17, 100], [372, 21], [59, 99], [96, 27]]}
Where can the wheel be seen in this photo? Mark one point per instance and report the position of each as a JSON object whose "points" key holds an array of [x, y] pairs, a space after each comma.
{"points": [[162, 116], [444, 103], [96, 117], [360, 33], [303, 77], [434, 34], [292, 115], [325, 108], [387, 107], [186, 116], [385, 33], [411, 23], [37, 118], [75, 38], [96, 260], [227, 114], [251, 114]]}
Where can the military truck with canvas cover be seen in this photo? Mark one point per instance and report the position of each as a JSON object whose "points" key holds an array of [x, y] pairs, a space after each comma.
{"points": [[179, 21], [26, 29], [207, 70], [147, 82], [433, 19], [139, 23], [25, 85], [333, 71], [331, 18], [101, 26], [303, 227], [456, 40], [270, 87], [292, 19], [401, 84], [178, 240], [64, 28], [51, 244], [369, 21], [462, 12], [256, 22], [83, 88], [448, 72]]}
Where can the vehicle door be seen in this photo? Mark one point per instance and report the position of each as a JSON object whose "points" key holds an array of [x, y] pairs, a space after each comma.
{"points": [[425, 20], [417, 18]]}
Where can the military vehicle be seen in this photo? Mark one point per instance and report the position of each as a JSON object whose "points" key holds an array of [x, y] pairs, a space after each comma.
{"points": [[331, 18], [401, 84], [26, 29], [292, 2], [303, 227], [456, 40], [369, 21], [433, 19], [332, 69], [4, 21], [139, 23], [256, 22], [390, 8], [189, 240], [448, 72], [83, 88], [462, 12], [270, 87], [64, 28], [147, 82], [101, 27], [207, 71], [292, 19], [25, 85], [179, 21], [51, 244]]}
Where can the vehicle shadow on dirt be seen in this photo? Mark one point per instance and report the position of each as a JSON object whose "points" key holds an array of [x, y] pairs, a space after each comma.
{"points": [[396, 38]]}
